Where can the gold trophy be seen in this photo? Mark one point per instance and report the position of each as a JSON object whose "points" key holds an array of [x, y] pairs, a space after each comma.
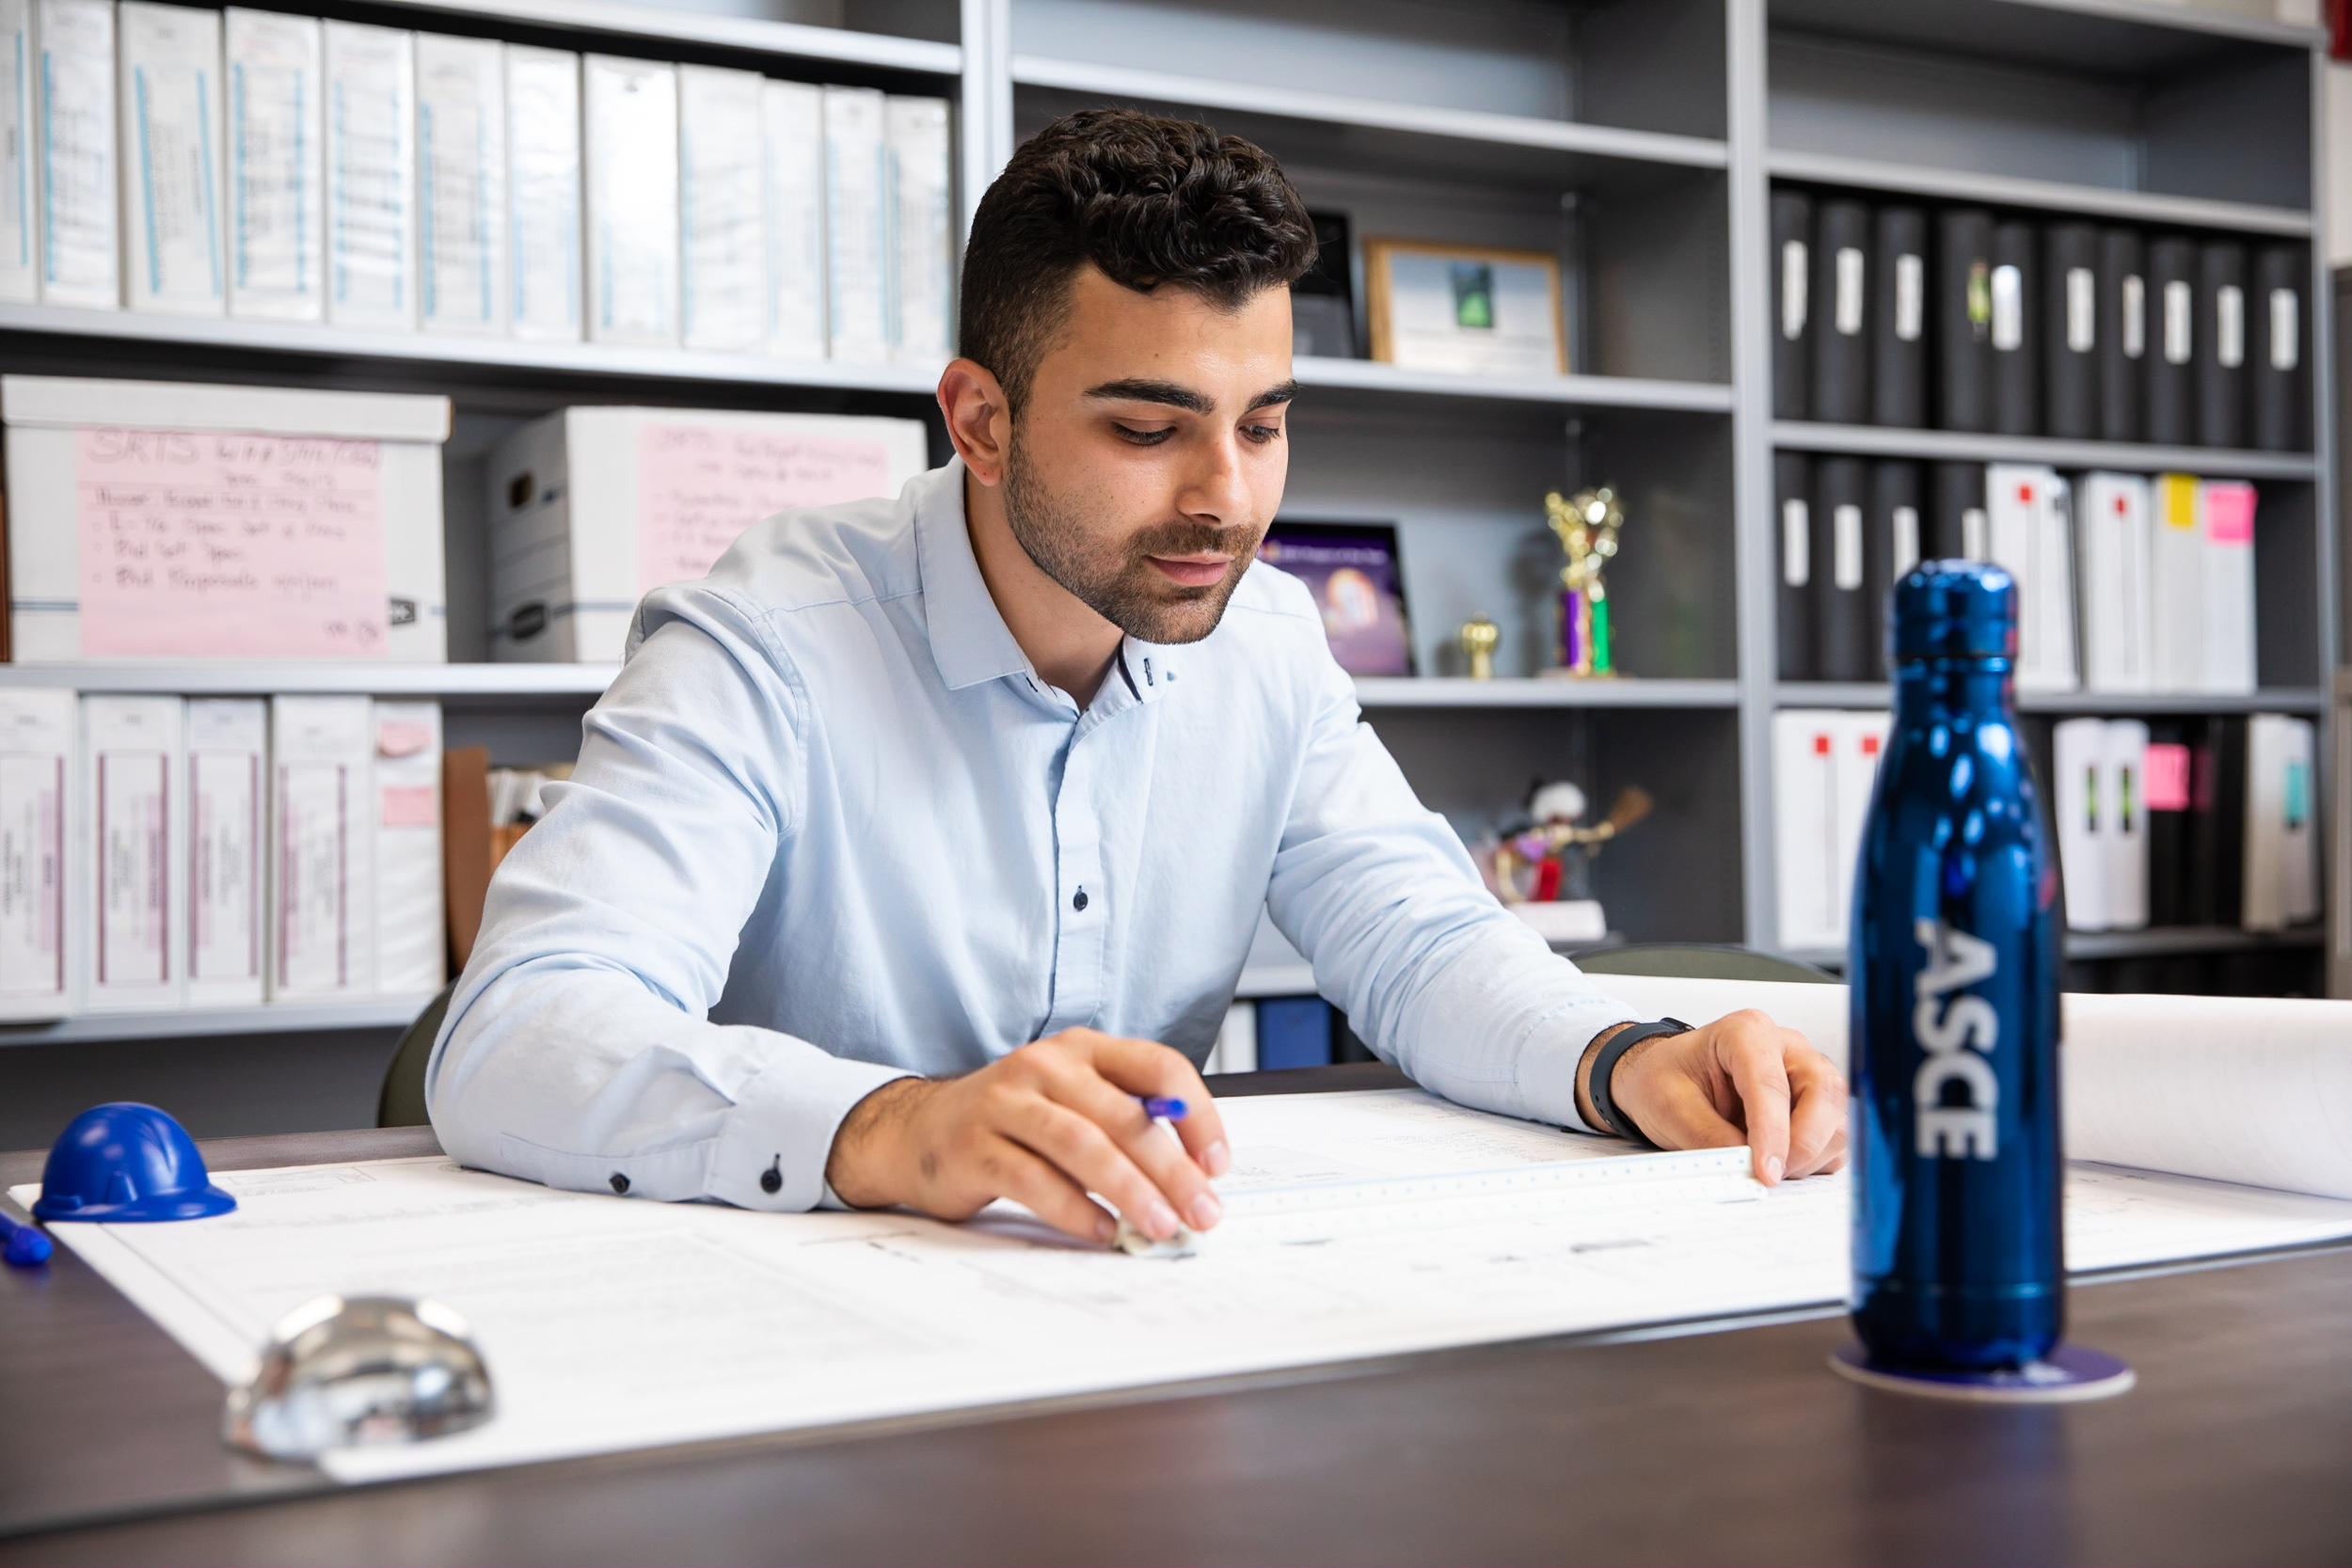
{"points": [[1587, 524], [1479, 639]]}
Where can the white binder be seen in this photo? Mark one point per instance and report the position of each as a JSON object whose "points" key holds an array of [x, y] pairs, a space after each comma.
{"points": [[858, 225], [2281, 876], [2123, 788], [277, 175], [134, 816], [411, 938], [78, 242], [629, 108], [19, 197], [170, 95], [461, 186], [543, 192], [2029, 524], [322, 850], [792, 129], [722, 263], [372, 177], [922, 281], [228, 793], [2078, 801], [2176, 576], [40, 906], [2118, 632], [2225, 518], [1824, 769]]}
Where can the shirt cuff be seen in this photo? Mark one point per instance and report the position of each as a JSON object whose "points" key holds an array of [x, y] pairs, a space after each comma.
{"points": [[1547, 1062], [773, 1151]]}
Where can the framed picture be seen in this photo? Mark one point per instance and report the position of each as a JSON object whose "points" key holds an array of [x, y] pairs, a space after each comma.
{"points": [[1357, 578], [1468, 308]]}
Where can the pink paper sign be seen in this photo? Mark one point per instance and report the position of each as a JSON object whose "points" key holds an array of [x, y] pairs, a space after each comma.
{"points": [[200, 543], [699, 486]]}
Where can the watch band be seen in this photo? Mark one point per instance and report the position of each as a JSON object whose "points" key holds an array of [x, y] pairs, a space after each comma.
{"points": [[1604, 1071]]}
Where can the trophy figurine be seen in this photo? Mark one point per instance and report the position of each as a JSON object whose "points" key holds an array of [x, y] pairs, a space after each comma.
{"points": [[1478, 637], [1587, 524]]}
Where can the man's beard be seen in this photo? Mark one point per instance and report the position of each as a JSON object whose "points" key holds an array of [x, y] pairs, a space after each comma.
{"points": [[1118, 582]]}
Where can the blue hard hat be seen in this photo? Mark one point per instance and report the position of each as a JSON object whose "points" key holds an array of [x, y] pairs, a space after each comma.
{"points": [[126, 1162]]}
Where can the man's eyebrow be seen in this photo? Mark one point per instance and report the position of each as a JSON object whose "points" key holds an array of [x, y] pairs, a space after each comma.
{"points": [[1281, 392], [1144, 391]]}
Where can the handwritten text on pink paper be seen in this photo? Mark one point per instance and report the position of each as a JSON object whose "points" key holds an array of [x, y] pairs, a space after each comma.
{"points": [[698, 487]]}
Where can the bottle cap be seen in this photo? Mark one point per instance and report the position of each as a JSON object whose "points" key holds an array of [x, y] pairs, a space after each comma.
{"points": [[1955, 609]]}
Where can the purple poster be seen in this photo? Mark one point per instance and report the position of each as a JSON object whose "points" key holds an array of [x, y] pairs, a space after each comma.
{"points": [[1352, 570]]}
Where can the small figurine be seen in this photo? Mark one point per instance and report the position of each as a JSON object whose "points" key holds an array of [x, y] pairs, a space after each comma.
{"points": [[1532, 864], [1587, 524], [1478, 637]]}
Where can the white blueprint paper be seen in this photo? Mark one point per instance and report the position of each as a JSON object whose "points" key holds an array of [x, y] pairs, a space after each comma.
{"points": [[610, 1324]]}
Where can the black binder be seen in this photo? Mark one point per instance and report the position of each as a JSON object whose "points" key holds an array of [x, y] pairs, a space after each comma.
{"points": [[1792, 309], [2221, 339], [2169, 836], [2171, 408], [1900, 289], [2277, 324], [2070, 331], [1841, 527], [1898, 539], [2017, 327], [1793, 557], [2123, 334], [2216, 827], [1959, 491], [1964, 318], [1841, 330]]}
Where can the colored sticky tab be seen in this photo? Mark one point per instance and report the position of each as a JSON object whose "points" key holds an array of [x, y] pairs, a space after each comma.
{"points": [[211, 543], [698, 487], [411, 806], [2176, 500], [2230, 512], [2164, 777]]}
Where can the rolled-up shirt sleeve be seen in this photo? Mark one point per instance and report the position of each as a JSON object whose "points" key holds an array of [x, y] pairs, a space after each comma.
{"points": [[1435, 974], [578, 1050]]}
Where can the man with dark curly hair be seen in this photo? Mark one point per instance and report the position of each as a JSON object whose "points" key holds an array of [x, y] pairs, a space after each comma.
{"points": [[924, 837]]}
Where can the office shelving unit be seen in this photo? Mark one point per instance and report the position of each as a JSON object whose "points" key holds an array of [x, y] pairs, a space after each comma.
{"points": [[1635, 139]]}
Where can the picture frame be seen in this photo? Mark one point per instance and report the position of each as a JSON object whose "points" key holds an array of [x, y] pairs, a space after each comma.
{"points": [[1464, 309], [1356, 572]]}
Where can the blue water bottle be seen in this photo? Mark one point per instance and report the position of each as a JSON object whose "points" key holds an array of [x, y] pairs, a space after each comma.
{"points": [[1955, 966]]}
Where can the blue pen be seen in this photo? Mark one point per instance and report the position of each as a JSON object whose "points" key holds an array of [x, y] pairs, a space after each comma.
{"points": [[27, 1246], [1158, 1108]]}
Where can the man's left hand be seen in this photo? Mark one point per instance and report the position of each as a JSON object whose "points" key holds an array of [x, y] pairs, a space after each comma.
{"points": [[1739, 1080]]}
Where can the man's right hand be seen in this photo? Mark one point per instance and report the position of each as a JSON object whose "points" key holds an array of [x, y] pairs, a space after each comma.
{"points": [[1043, 1126]]}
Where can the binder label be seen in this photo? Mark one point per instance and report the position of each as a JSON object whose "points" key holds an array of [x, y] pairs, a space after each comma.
{"points": [[1792, 289], [1848, 304], [32, 873], [2179, 312], [2134, 302], [2286, 330], [224, 829], [2230, 512], [1906, 539], [2008, 310], [133, 870], [1796, 542], [2082, 313], [2164, 778], [1846, 543], [2229, 326], [1910, 298]]}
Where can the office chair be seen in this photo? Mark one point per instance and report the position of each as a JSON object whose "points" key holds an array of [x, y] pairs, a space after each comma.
{"points": [[401, 1102], [1699, 960]]}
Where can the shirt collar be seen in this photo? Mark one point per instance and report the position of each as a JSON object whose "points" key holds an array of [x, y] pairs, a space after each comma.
{"points": [[970, 642]]}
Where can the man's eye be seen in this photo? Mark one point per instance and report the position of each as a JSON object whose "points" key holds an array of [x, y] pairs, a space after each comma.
{"points": [[1145, 438], [1262, 434]]}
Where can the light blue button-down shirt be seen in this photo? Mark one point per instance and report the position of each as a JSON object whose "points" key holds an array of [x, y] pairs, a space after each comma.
{"points": [[828, 828]]}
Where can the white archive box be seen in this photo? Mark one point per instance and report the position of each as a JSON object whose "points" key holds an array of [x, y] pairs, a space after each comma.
{"points": [[133, 817], [174, 520], [169, 58], [277, 178], [322, 848], [411, 937], [39, 813], [73, 77], [591, 507], [228, 789], [18, 278]]}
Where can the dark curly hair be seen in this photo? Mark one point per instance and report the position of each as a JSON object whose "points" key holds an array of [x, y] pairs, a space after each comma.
{"points": [[1148, 200]]}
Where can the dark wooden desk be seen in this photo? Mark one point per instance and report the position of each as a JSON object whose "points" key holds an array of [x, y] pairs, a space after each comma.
{"points": [[1695, 1447]]}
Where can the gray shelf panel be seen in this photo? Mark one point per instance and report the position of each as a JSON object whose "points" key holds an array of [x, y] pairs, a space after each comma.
{"points": [[239, 677], [1873, 695], [2123, 37], [2006, 191], [2155, 942], [1543, 692], [377, 1012], [506, 354], [1573, 392], [656, 23], [1960, 446], [1119, 82]]}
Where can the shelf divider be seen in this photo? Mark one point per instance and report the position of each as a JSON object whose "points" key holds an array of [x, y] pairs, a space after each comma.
{"points": [[1867, 441], [2051, 196]]}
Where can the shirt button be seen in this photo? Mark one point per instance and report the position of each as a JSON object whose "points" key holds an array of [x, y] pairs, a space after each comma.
{"points": [[770, 1179], [1078, 901], [620, 1182]]}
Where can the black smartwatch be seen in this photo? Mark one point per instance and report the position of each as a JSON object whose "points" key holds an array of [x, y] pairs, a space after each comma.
{"points": [[1605, 1068]]}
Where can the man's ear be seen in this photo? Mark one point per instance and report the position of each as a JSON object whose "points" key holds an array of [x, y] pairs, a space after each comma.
{"points": [[979, 419]]}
